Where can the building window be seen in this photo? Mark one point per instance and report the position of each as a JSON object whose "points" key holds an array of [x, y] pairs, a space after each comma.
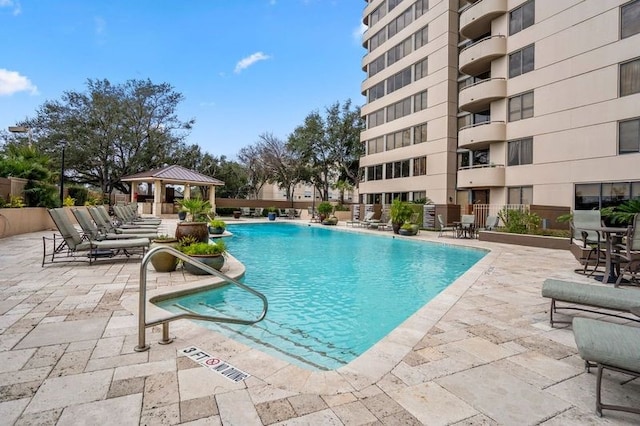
{"points": [[520, 195], [522, 17], [589, 196], [376, 118], [400, 23], [377, 39], [521, 61], [420, 196], [376, 66], [473, 119], [630, 19], [420, 133], [629, 136], [399, 80], [377, 14], [393, 4], [520, 152], [521, 107], [375, 145], [399, 109], [374, 172], [398, 139], [399, 51], [420, 101], [420, 166], [630, 77], [421, 37], [397, 169], [420, 69], [422, 6], [376, 92]]}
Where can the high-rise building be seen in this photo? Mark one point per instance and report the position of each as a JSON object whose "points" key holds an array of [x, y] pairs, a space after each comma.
{"points": [[502, 101]]}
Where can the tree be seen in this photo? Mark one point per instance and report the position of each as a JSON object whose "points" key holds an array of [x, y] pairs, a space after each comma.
{"points": [[251, 159], [329, 146], [281, 164], [112, 130], [27, 162]]}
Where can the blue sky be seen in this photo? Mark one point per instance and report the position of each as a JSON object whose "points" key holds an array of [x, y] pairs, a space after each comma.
{"points": [[245, 67]]}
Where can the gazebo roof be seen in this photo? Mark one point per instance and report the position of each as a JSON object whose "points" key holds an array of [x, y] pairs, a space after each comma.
{"points": [[174, 174]]}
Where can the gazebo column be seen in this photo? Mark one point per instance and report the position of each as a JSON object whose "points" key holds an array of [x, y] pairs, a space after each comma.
{"points": [[157, 198], [212, 197], [187, 191]]}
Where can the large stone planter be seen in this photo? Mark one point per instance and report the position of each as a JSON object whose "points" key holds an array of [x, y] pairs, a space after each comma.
{"points": [[164, 262], [216, 262], [198, 230]]}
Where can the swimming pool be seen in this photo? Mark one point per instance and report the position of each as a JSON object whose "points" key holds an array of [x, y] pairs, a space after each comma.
{"points": [[332, 295]]}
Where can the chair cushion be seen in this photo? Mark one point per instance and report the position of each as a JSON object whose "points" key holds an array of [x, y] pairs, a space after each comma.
{"points": [[602, 296], [608, 343]]}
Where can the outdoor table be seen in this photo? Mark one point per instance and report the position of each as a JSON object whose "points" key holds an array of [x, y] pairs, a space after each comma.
{"points": [[610, 234], [463, 231]]}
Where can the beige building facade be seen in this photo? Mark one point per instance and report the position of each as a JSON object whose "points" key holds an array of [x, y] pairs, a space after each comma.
{"points": [[502, 101]]}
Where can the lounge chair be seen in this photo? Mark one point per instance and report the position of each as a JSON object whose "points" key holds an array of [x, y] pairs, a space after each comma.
{"points": [[491, 222], [258, 212], [91, 229], [444, 228], [74, 246], [101, 217], [245, 211], [125, 215], [590, 248], [283, 213], [609, 346], [628, 253]]}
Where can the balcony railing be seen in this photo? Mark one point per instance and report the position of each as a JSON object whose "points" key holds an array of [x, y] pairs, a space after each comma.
{"points": [[481, 176], [476, 58], [475, 19], [477, 96], [480, 135]]}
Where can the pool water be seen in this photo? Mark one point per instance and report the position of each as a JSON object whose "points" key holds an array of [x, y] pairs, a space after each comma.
{"points": [[332, 295]]}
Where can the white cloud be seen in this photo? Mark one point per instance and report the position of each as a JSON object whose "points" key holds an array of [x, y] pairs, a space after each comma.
{"points": [[358, 32], [17, 7], [12, 82], [250, 60]]}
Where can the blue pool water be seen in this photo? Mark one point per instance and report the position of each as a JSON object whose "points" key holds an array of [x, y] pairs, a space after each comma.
{"points": [[332, 295]]}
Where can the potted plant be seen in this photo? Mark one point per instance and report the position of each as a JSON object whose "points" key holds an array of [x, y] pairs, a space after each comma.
{"points": [[211, 254], [164, 262], [271, 213], [331, 220], [216, 226], [409, 229], [196, 224], [399, 213], [325, 208]]}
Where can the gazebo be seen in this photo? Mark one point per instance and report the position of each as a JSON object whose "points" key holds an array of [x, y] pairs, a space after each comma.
{"points": [[163, 196]]}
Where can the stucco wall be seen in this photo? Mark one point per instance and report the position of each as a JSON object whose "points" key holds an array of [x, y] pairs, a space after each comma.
{"points": [[21, 221]]}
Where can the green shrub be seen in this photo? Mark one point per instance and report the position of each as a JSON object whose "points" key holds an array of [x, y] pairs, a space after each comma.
{"points": [[79, 194], [325, 208], [520, 222]]}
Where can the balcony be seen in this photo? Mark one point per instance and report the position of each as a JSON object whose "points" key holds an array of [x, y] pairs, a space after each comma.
{"points": [[476, 58], [478, 96], [481, 176], [476, 19], [478, 136]]}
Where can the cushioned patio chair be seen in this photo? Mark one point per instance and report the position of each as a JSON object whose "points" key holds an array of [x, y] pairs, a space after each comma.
{"points": [[125, 215], [468, 225], [628, 253], [591, 250], [491, 222], [74, 246], [91, 229], [103, 221], [444, 228]]}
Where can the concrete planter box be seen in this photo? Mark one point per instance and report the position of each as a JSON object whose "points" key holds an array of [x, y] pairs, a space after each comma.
{"points": [[525, 240]]}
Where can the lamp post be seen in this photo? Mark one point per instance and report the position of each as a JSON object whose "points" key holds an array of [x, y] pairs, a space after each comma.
{"points": [[63, 144], [21, 129]]}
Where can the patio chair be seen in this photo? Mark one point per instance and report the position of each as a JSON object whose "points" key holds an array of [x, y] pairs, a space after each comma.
{"points": [[75, 246], [91, 229], [368, 221], [592, 244], [468, 225], [106, 226], [313, 215], [291, 213], [125, 215], [444, 228], [283, 213], [628, 253], [258, 212], [245, 211], [491, 223]]}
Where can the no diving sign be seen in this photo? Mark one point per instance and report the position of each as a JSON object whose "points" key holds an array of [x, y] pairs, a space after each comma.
{"points": [[215, 364]]}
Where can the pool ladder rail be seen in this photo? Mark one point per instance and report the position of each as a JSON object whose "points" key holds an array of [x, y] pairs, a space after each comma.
{"points": [[142, 307]]}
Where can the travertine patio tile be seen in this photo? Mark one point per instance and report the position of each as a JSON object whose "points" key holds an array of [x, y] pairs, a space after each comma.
{"points": [[15, 360], [340, 399], [545, 366], [60, 392], [426, 401], [477, 420], [198, 382], [108, 347], [22, 376], [199, 408], [126, 387], [134, 358], [235, 407], [479, 348], [275, 411], [495, 393], [48, 418], [382, 405], [117, 411], [165, 415], [324, 417], [263, 393], [354, 413], [305, 404], [64, 332], [10, 410], [160, 389]]}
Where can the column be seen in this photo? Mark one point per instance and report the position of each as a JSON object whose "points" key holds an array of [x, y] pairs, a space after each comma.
{"points": [[157, 198]]}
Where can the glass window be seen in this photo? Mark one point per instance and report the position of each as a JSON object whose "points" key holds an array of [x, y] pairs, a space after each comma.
{"points": [[614, 194], [630, 77], [399, 109], [376, 118], [393, 4], [422, 37], [421, 7], [522, 17], [521, 107], [375, 145], [420, 101], [480, 157], [629, 136], [587, 196], [377, 14], [400, 22], [420, 133], [521, 61], [630, 19], [520, 152], [399, 80], [464, 121], [520, 195], [398, 139], [376, 92], [399, 51], [377, 39], [464, 159], [420, 69], [376, 66], [420, 166]]}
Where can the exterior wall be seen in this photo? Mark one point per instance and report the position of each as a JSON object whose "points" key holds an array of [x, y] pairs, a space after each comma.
{"points": [[24, 220], [302, 193], [576, 111]]}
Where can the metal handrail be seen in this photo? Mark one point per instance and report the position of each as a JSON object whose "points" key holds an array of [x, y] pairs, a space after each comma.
{"points": [[142, 316], [475, 43]]}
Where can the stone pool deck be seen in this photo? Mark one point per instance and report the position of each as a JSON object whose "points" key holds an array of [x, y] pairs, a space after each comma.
{"points": [[481, 353]]}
